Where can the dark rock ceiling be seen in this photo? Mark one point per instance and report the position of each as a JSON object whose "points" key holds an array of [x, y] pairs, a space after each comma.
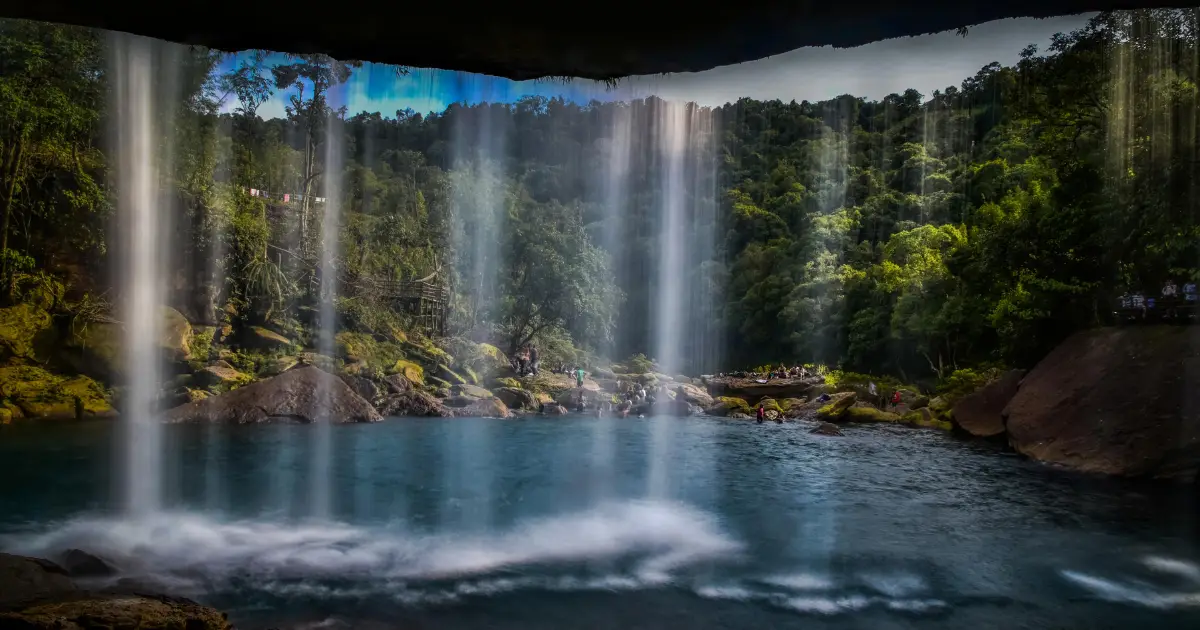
{"points": [[538, 38]]}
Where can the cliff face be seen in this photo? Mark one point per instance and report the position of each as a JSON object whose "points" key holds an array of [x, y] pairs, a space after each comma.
{"points": [[1120, 401], [530, 40]]}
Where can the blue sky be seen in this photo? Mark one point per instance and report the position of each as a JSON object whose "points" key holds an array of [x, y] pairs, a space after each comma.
{"points": [[926, 63]]}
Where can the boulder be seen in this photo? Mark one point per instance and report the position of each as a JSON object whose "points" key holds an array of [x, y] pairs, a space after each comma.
{"points": [[411, 371], [676, 408], [693, 395], [26, 580], [837, 405], [364, 387], [414, 403], [554, 410], [1120, 401], [39, 394], [79, 563], [458, 402], [919, 402], [305, 394], [97, 348], [868, 413], [25, 332], [826, 428], [517, 398], [279, 365], [450, 376], [925, 418], [979, 413], [396, 383], [483, 408]]}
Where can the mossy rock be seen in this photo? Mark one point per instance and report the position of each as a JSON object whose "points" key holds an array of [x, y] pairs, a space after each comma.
{"points": [[506, 381], [200, 343], [279, 365], [869, 414], [438, 383], [264, 339], [925, 418], [729, 406], [769, 404], [409, 370], [919, 402], [470, 375], [40, 394], [23, 331], [840, 402], [97, 349], [426, 352], [473, 391], [354, 347], [450, 376]]}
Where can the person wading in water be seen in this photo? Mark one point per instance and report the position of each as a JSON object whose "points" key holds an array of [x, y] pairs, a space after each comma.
{"points": [[762, 413]]}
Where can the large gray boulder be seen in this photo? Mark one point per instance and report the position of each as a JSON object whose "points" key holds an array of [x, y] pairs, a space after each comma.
{"points": [[305, 394]]}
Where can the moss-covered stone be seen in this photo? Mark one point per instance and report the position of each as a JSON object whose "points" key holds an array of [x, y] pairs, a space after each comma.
{"points": [[221, 377], [96, 349], [357, 347], [869, 414], [264, 339], [410, 370], [729, 406], [837, 406], [506, 381], [21, 328], [200, 344], [769, 404], [38, 394], [118, 611], [925, 418], [470, 375], [450, 376], [278, 365]]}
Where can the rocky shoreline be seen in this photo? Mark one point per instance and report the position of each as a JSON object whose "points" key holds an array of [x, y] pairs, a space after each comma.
{"points": [[1110, 400]]}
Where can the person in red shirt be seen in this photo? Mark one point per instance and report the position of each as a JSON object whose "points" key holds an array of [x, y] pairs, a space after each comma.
{"points": [[895, 399], [762, 413]]}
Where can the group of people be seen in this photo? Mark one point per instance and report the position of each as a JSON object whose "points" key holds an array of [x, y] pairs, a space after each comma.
{"points": [[525, 361], [780, 372], [1172, 297]]}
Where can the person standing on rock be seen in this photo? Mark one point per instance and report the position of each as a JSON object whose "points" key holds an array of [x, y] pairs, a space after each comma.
{"points": [[578, 377], [533, 360], [895, 399]]}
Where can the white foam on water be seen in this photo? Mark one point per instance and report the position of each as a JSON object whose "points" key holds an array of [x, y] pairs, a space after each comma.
{"points": [[801, 582], [663, 537], [1140, 593], [827, 605], [894, 585]]}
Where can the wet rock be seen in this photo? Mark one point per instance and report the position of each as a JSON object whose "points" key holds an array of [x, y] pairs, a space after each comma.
{"points": [[264, 339], [517, 398], [979, 413], [1120, 401], [554, 410], [728, 406], [868, 413], [676, 408], [826, 428], [410, 370], [304, 394], [79, 563], [414, 403], [364, 387], [279, 365]]}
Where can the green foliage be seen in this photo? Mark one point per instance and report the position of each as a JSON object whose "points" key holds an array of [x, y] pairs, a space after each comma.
{"points": [[962, 382]]}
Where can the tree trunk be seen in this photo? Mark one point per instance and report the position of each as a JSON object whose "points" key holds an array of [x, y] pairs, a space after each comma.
{"points": [[12, 168]]}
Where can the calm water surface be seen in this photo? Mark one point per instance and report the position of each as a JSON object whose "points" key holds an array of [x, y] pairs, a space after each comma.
{"points": [[530, 524]]}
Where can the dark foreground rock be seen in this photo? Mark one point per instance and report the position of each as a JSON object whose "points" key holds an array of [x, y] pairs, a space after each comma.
{"points": [[826, 428], [297, 395], [981, 412], [79, 563], [36, 594], [1120, 401]]}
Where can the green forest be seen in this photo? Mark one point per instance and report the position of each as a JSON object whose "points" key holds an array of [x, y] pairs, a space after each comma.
{"points": [[920, 234]]}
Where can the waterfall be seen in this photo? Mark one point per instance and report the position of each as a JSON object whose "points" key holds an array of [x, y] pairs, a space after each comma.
{"points": [[140, 69], [322, 447]]}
